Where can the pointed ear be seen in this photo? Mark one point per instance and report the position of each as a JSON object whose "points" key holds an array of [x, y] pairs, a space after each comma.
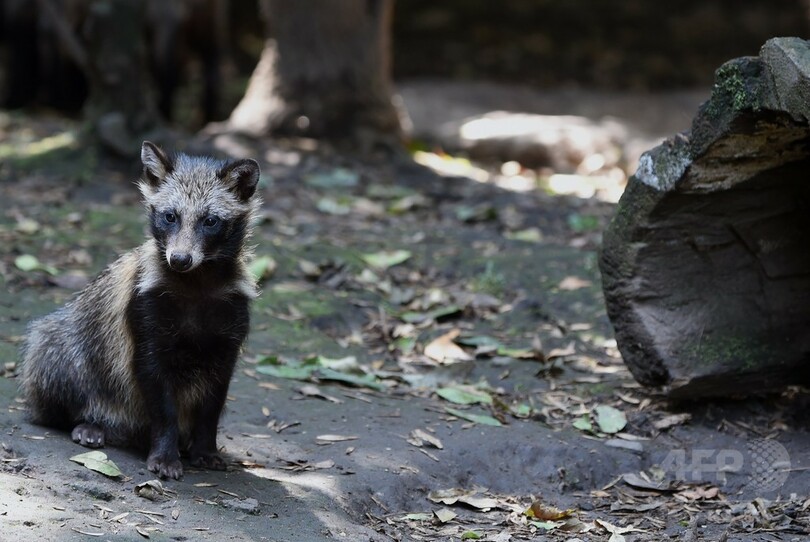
{"points": [[156, 164], [241, 177]]}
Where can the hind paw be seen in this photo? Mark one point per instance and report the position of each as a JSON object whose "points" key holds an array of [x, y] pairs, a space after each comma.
{"points": [[88, 435], [211, 461]]}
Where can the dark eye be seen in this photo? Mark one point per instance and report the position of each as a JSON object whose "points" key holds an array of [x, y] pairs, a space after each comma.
{"points": [[210, 221], [170, 217]]}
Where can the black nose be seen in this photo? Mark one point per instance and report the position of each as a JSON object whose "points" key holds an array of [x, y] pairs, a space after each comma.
{"points": [[180, 261]]}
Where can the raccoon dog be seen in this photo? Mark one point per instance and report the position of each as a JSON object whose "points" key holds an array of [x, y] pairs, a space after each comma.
{"points": [[144, 354]]}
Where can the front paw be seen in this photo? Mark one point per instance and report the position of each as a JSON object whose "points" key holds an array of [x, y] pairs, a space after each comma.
{"points": [[211, 461], [165, 465]]}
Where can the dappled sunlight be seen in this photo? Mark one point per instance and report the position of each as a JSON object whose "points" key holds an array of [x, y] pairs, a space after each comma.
{"points": [[605, 185], [299, 484]]}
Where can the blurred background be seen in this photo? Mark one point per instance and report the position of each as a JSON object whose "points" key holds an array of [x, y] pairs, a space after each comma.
{"points": [[596, 44], [541, 92]]}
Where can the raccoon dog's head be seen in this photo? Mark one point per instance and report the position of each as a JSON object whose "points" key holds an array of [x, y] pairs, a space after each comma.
{"points": [[200, 208]]}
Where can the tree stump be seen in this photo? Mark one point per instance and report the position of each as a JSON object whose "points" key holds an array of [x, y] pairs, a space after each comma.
{"points": [[706, 265]]}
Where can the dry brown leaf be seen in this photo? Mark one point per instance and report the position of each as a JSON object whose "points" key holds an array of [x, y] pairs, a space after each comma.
{"points": [[444, 350], [419, 438], [700, 493], [310, 390], [562, 352], [542, 512], [671, 421], [573, 283], [336, 438]]}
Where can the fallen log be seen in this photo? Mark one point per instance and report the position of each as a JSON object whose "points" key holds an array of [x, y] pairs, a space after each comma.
{"points": [[706, 264]]}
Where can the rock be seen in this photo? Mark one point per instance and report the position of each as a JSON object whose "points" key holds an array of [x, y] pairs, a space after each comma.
{"points": [[706, 267]]}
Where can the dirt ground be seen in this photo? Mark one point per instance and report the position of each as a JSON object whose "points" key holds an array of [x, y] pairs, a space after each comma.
{"points": [[430, 359]]}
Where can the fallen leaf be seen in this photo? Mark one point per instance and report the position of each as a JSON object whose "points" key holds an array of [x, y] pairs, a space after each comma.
{"points": [[583, 424], [427, 317], [28, 226], [640, 482], [573, 283], [699, 493], [421, 437], [336, 438], [444, 514], [547, 513], [150, 490], [309, 269], [360, 381], [262, 268], [561, 352], [625, 444], [610, 419], [529, 235], [386, 258], [97, 461], [464, 395], [444, 349], [28, 262], [336, 178], [330, 206], [470, 535], [312, 391], [616, 533], [475, 418], [671, 421], [420, 516]]}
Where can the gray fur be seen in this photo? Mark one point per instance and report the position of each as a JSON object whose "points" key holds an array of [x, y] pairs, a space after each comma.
{"points": [[77, 361]]}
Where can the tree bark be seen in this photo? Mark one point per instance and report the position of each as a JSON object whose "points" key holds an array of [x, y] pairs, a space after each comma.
{"points": [[121, 107], [324, 72], [705, 266]]}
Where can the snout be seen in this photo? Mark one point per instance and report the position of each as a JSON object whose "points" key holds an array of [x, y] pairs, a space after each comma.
{"points": [[180, 261]]}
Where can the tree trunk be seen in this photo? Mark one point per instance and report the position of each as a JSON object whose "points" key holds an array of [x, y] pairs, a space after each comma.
{"points": [[324, 72], [121, 107]]}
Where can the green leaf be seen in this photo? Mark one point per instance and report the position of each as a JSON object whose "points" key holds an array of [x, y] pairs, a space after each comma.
{"points": [[583, 424], [97, 461], [582, 223], [475, 418], [28, 262], [470, 535], [478, 340], [435, 314], [609, 419], [360, 381], [292, 372], [530, 235], [333, 207], [521, 410], [272, 366], [406, 345], [547, 525], [348, 363], [336, 178], [262, 268], [386, 258], [517, 353], [464, 395]]}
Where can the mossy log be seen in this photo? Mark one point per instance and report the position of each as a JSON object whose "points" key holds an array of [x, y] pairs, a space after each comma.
{"points": [[706, 265]]}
